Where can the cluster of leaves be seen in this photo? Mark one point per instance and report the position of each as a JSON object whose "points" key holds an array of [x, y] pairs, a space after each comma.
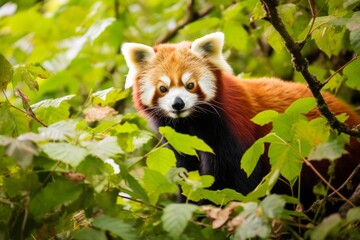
{"points": [[77, 163]]}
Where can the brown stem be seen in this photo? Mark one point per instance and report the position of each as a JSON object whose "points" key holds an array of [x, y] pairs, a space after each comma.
{"points": [[301, 65], [347, 180], [308, 163], [341, 68], [141, 202], [29, 113]]}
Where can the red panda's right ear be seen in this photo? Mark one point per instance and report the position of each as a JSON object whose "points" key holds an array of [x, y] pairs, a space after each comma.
{"points": [[136, 55]]}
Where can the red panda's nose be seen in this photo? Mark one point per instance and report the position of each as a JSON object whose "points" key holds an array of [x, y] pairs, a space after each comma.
{"points": [[178, 104]]}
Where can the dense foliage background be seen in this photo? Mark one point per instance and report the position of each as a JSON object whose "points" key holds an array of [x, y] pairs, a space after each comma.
{"points": [[76, 160]]}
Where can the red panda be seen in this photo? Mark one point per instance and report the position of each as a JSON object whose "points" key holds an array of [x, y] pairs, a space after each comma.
{"points": [[190, 87]]}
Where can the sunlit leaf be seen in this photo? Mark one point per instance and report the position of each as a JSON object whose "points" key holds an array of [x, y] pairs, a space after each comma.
{"points": [[155, 184], [53, 110], [105, 148], [65, 152], [265, 117], [329, 150], [161, 160], [184, 143], [59, 131]]}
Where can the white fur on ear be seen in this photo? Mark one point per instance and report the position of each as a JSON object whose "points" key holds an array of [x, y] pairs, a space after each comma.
{"points": [[210, 46], [136, 55]]}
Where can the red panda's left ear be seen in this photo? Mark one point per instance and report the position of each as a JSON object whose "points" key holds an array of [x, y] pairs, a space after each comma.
{"points": [[136, 56], [210, 46]]}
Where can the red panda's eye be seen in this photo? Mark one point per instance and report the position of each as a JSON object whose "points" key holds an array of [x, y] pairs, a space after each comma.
{"points": [[190, 86], [163, 89]]}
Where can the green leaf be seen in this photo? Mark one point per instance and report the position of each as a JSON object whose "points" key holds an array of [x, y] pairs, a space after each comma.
{"points": [[331, 150], [252, 156], [352, 73], [288, 155], [105, 148], [274, 38], [53, 110], [353, 214], [137, 189], [236, 35], [6, 72], [54, 195], [265, 117], [184, 143], [59, 131], [161, 160], [116, 226], [273, 206], [219, 197], [176, 217], [253, 224], [65, 152], [301, 106], [155, 184], [325, 227], [7, 120], [329, 38], [88, 234]]}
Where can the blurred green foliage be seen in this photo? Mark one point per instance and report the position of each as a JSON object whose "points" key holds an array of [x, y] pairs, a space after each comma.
{"points": [[76, 160]]}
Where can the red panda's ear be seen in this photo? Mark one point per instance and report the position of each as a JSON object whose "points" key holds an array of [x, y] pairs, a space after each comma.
{"points": [[136, 55], [210, 47]]}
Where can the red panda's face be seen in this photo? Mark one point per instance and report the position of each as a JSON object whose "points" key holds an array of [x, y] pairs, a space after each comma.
{"points": [[175, 79]]}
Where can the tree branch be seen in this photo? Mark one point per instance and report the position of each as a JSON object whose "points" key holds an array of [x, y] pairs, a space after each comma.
{"points": [[191, 16], [301, 65]]}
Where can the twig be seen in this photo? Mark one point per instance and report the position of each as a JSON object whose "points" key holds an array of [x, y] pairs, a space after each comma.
{"points": [[29, 113], [347, 180], [141, 202], [308, 163], [354, 200], [337, 71], [301, 65], [191, 16]]}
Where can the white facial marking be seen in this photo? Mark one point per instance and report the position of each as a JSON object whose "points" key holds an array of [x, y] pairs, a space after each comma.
{"points": [[147, 90], [185, 77], [166, 80], [167, 101], [207, 83]]}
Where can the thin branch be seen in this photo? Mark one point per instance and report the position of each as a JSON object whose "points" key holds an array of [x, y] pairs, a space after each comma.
{"points": [[313, 18], [341, 68], [29, 113], [308, 163], [347, 180], [354, 200], [191, 16], [141, 202], [301, 65]]}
